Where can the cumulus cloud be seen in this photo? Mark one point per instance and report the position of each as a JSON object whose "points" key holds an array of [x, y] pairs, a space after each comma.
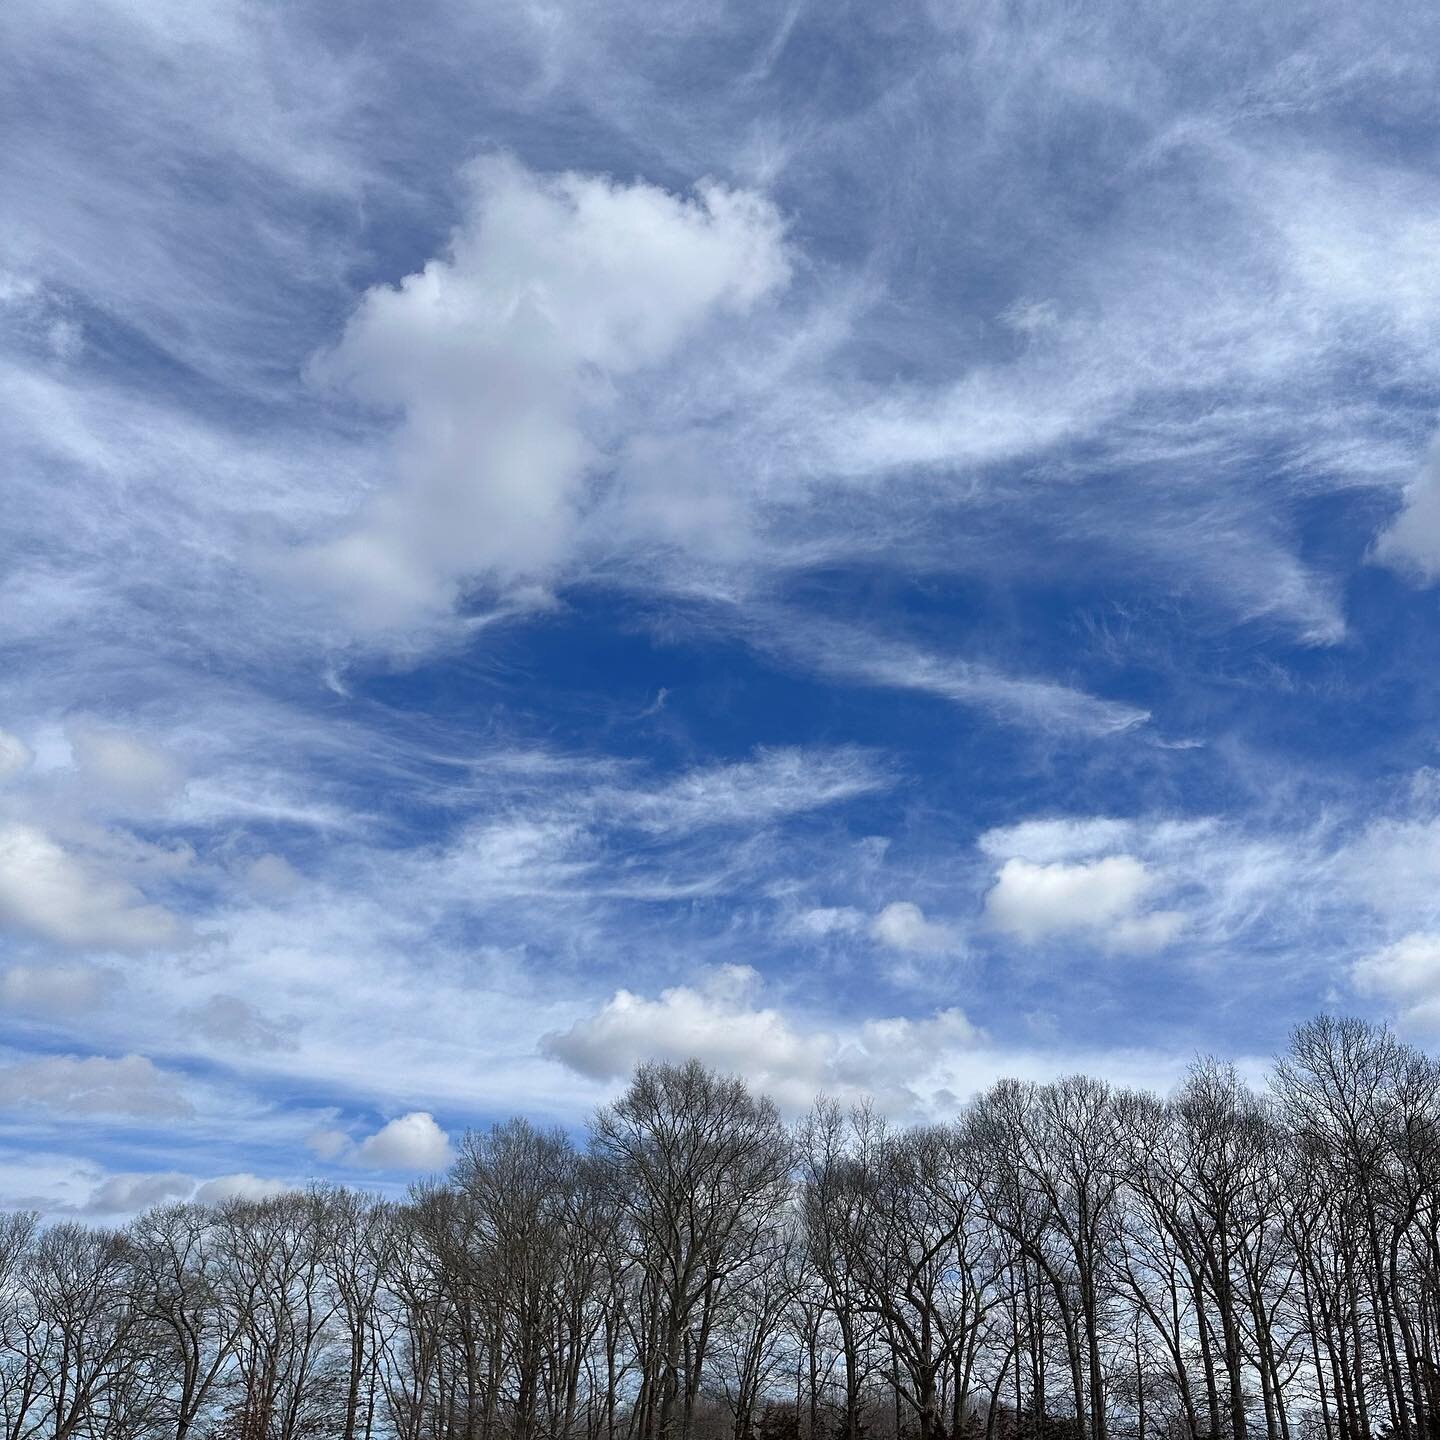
{"points": [[92, 1085], [500, 355], [714, 1021], [1101, 899], [54, 990], [722, 1022], [408, 1142], [53, 893], [240, 1186], [902, 926]]}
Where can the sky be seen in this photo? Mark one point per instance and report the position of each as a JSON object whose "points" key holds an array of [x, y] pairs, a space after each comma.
{"points": [[880, 546]]}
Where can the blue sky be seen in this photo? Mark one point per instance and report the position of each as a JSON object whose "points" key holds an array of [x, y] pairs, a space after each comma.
{"points": [[879, 546]]}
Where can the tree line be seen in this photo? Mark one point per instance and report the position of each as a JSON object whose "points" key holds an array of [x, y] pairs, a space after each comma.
{"points": [[1064, 1261]]}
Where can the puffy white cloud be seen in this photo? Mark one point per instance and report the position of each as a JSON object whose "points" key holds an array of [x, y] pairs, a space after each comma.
{"points": [[408, 1142], [92, 1085], [912, 1068], [54, 989], [715, 1022], [500, 354], [1099, 898], [53, 893], [721, 1023], [240, 1186], [902, 926], [413, 1141]]}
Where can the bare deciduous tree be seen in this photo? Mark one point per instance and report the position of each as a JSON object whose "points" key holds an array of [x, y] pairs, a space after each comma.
{"points": [[1060, 1262]]}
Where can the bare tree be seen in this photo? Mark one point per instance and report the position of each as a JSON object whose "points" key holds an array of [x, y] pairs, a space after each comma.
{"points": [[1062, 1261], [703, 1166]]}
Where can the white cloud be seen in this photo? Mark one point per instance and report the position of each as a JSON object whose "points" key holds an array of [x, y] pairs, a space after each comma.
{"points": [[272, 877], [408, 1142], [15, 755], [66, 1185], [518, 855], [127, 1194], [1181, 351], [775, 784], [228, 1021], [1393, 864], [1041, 703], [1405, 975], [413, 1141], [721, 1023], [850, 653], [1411, 542], [715, 1022], [92, 1085], [240, 1186], [823, 920], [921, 1068], [1236, 882], [1059, 839], [1151, 931], [564, 833], [1099, 898], [54, 989], [116, 765], [51, 892], [902, 926], [327, 1144], [497, 354]]}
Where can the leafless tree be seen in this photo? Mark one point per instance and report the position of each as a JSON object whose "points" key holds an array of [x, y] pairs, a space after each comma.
{"points": [[703, 1168], [1057, 1262]]}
